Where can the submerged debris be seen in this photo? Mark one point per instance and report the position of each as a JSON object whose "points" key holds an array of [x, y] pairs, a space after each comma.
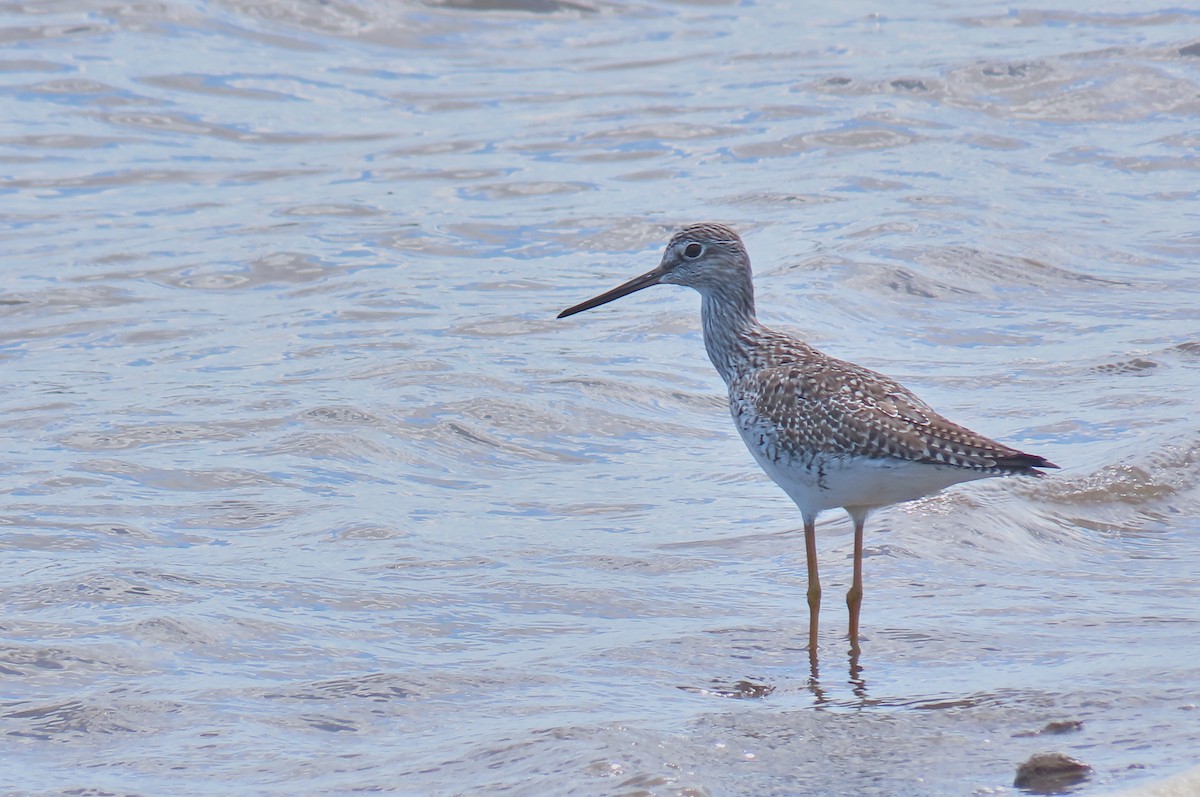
{"points": [[743, 690], [1055, 728]]}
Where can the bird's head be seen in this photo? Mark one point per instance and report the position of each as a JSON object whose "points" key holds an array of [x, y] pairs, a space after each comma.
{"points": [[701, 256]]}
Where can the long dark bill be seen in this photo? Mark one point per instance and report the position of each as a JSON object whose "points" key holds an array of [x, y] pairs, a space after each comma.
{"points": [[635, 284]]}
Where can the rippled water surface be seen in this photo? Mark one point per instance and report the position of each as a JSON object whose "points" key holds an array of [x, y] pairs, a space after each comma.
{"points": [[305, 490]]}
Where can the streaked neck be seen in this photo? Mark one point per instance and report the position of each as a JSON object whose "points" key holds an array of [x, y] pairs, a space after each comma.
{"points": [[730, 326]]}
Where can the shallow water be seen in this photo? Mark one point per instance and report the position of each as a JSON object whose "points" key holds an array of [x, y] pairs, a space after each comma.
{"points": [[307, 491]]}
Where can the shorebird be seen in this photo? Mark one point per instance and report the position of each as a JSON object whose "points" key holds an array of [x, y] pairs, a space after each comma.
{"points": [[829, 432]]}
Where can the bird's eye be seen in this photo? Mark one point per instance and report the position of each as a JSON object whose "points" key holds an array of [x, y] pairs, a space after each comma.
{"points": [[693, 251]]}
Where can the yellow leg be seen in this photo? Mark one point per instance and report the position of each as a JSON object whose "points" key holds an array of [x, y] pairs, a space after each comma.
{"points": [[814, 582], [854, 596]]}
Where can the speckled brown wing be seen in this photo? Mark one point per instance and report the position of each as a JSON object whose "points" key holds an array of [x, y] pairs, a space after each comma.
{"points": [[819, 405]]}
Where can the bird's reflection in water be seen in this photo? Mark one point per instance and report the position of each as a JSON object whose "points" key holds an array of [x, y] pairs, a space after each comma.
{"points": [[855, 678]]}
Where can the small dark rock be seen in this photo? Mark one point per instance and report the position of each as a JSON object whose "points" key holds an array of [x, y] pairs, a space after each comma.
{"points": [[1050, 773], [1191, 49]]}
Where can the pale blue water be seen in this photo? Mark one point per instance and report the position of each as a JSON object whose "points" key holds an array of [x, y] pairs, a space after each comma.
{"points": [[306, 491]]}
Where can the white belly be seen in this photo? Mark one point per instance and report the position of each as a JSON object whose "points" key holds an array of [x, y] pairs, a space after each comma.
{"points": [[828, 482]]}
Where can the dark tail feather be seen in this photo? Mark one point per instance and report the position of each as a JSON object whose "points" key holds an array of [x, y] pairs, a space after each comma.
{"points": [[1025, 464]]}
